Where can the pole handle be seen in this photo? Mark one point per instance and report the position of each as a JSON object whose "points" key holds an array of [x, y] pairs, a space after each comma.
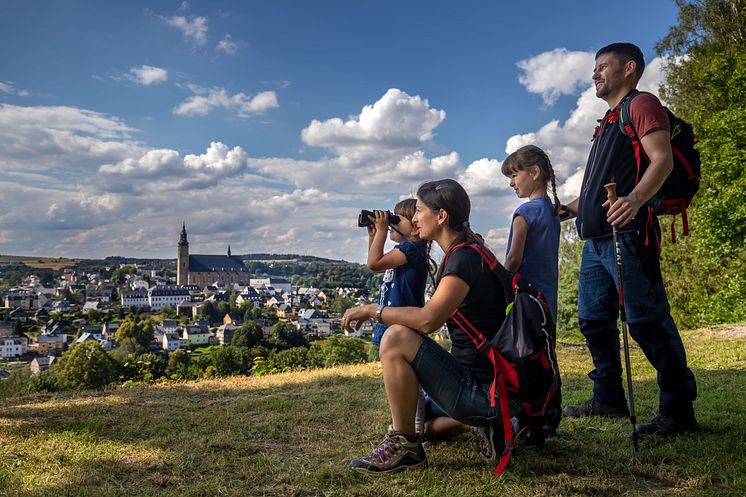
{"points": [[611, 192]]}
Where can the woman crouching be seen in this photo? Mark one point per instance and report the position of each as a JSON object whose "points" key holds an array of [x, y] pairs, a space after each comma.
{"points": [[457, 383]]}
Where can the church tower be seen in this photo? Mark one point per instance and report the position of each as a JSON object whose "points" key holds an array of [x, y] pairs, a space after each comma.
{"points": [[182, 258]]}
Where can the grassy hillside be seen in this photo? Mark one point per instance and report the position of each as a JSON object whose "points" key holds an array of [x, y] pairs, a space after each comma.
{"points": [[293, 434]]}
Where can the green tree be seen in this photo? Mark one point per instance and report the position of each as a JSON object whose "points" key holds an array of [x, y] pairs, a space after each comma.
{"points": [[231, 360], [570, 253], [706, 84], [178, 364], [337, 350], [248, 335], [285, 336], [141, 331], [207, 312], [340, 304], [86, 365]]}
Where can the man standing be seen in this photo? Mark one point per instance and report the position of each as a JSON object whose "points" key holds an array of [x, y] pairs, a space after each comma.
{"points": [[618, 69]]}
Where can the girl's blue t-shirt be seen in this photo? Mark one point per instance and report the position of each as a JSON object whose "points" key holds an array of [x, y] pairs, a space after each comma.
{"points": [[404, 286], [541, 253]]}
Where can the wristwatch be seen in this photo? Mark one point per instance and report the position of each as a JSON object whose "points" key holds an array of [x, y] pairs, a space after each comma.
{"points": [[379, 310]]}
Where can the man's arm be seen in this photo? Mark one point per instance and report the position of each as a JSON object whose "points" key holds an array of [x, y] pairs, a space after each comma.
{"points": [[569, 210], [657, 146]]}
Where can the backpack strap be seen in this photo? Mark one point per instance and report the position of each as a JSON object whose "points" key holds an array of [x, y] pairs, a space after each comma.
{"points": [[626, 124], [628, 129], [500, 366]]}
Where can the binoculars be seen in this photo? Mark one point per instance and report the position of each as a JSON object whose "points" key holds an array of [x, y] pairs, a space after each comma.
{"points": [[364, 222]]}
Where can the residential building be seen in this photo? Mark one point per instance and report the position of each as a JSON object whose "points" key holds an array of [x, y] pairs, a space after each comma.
{"points": [[50, 344], [93, 329], [160, 297], [135, 298], [42, 363], [225, 333], [171, 342], [91, 305], [7, 328], [279, 284], [13, 346], [195, 336], [108, 330], [24, 300]]}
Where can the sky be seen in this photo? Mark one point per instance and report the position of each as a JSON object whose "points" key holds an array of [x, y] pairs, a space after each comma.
{"points": [[268, 126]]}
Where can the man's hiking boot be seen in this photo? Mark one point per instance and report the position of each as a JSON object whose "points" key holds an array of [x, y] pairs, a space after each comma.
{"points": [[664, 426], [489, 439], [394, 453], [593, 408]]}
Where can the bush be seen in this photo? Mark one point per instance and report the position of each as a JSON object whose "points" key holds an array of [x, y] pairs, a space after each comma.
{"points": [[86, 365], [143, 367], [249, 334], [178, 364], [230, 360], [46, 381]]}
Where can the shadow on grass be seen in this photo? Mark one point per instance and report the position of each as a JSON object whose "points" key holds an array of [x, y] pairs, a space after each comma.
{"points": [[295, 437]]}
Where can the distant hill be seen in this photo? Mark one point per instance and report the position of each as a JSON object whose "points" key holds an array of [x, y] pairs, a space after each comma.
{"points": [[290, 257]]}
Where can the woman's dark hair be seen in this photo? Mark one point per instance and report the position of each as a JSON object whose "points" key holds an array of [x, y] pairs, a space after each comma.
{"points": [[449, 195], [525, 158]]}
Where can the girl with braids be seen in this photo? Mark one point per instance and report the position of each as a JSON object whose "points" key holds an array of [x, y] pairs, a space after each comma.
{"points": [[458, 383], [533, 244]]}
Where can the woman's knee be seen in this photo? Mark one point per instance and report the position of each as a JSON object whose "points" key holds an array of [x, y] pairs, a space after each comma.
{"points": [[399, 339]]}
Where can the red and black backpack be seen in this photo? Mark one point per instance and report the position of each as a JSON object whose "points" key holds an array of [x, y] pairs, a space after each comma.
{"points": [[522, 352], [682, 184]]}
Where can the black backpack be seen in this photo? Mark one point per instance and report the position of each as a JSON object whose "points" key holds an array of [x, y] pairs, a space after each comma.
{"points": [[682, 184], [522, 353]]}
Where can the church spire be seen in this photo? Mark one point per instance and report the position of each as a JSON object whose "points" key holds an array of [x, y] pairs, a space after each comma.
{"points": [[183, 239], [229, 250]]}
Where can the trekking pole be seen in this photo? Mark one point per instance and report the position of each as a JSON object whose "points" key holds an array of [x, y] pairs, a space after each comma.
{"points": [[611, 195]]}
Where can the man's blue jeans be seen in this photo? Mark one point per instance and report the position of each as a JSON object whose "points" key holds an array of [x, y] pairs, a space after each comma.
{"points": [[648, 316]]}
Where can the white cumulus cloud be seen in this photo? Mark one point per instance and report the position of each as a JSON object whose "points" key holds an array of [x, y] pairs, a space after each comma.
{"points": [[243, 105], [148, 75], [395, 121], [227, 45], [555, 73], [164, 169], [194, 29], [10, 88], [61, 139], [380, 149]]}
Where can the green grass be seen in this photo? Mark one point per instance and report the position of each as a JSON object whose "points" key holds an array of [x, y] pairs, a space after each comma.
{"points": [[293, 434]]}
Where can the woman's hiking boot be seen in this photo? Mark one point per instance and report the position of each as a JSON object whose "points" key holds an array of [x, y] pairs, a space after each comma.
{"points": [[665, 426], [395, 453], [594, 408]]}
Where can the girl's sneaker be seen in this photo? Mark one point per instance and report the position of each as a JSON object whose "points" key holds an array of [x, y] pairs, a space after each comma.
{"points": [[394, 453], [489, 440]]}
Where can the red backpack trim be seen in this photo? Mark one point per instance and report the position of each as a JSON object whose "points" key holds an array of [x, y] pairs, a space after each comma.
{"points": [[505, 375]]}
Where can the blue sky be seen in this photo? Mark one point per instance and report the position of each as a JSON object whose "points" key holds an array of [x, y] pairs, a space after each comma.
{"points": [[269, 125]]}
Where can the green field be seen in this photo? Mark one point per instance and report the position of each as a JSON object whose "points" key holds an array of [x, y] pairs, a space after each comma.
{"points": [[55, 263], [293, 434]]}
